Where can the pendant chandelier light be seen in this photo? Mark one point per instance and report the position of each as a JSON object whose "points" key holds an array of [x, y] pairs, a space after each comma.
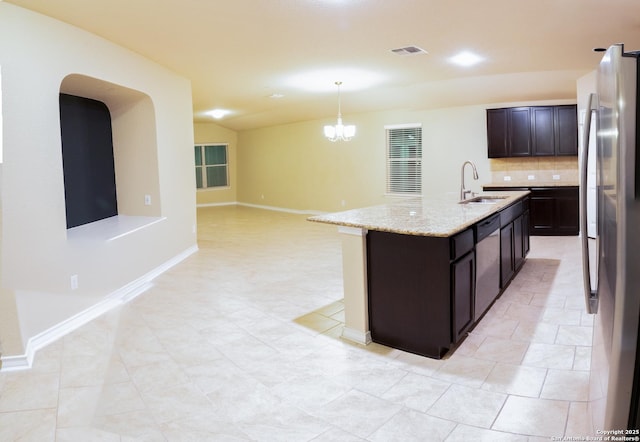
{"points": [[339, 132]]}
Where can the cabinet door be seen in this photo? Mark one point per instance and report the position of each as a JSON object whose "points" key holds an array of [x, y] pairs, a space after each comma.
{"points": [[463, 276], [507, 267], [542, 212], [542, 131], [526, 244], [519, 131], [518, 243], [497, 133], [566, 130], [567, 211]]}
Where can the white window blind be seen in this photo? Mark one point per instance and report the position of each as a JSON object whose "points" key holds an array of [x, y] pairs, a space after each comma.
{"points": [[404, 159], [211, 166]]}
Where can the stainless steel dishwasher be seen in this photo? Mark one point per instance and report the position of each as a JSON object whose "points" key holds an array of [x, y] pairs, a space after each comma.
{"points": [[487, 264]]}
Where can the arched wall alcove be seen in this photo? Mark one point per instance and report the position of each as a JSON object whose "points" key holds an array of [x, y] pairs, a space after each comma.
{"points": [[135, 150]]}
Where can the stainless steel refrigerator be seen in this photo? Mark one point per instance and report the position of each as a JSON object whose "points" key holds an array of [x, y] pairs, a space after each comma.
{"points": [[611, 262]]}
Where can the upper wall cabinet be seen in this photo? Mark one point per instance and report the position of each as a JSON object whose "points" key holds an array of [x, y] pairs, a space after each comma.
{"points": [[532, 131]]}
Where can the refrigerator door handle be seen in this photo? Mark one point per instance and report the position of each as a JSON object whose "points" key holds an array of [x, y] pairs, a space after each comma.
{"points": [[590, 295]]}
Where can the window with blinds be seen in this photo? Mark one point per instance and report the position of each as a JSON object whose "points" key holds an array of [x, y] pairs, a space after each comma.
{"points": [[211, 166], [404, 159]]}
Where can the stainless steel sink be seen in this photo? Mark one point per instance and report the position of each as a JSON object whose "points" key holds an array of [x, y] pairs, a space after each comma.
{"points": [[483, 200]]}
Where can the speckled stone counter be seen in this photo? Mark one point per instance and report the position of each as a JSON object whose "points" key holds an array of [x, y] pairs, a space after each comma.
{"points": [[440, 217], [526, 184]]}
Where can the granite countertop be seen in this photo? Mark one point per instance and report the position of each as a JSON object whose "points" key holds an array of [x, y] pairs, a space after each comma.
{"points": [[508, 184], [441, 217]]}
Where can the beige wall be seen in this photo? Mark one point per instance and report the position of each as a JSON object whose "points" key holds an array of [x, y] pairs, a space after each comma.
{"points": [[294, 167], [213, 133], [39, 255]]}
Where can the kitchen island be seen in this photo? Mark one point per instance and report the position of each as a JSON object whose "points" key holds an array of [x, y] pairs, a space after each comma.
{"points": [[409, 267]]}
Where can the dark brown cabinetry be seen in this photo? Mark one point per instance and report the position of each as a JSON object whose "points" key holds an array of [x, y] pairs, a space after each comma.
{"points": [[532, 131], [422, 289], [409, 285], [514, 240], [555, 211]]}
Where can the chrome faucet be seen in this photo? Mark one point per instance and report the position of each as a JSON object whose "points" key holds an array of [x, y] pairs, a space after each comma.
{"points": [[464, 192]]}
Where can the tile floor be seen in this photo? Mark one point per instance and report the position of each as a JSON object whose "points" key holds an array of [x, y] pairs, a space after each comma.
{"points": [[241, 342]]}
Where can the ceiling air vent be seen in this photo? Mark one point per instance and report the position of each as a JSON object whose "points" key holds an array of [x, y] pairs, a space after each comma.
{"points": [[409, 50]]}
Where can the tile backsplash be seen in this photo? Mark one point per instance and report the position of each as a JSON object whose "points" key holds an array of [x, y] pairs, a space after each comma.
{"points": [[535, 170]]}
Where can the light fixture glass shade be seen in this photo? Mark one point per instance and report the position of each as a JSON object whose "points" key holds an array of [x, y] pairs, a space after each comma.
{"points": [[339, 131]]}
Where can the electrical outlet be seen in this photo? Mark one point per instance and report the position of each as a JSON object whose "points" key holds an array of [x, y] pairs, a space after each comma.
{"points": [[147, 200], [507, 178], [74, 282], [556, 177], [343, 203], [531, 177]]}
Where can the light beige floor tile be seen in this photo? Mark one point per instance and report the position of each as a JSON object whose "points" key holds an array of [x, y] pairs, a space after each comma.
{"points": [[418, 364], [535, 417], [410, 425], [167, 404], [372, 411], [579, 423], [464, 370], [469, 406], [561, 316], [30, 425], [416, 392], [524, 313], [502, 350], [337, 435], [549, 356], [465, 433], [582, 360], [78, 405], [535, 332], [566, 385], [574, 335], [85, 434], [15, 388], [516, 379]]}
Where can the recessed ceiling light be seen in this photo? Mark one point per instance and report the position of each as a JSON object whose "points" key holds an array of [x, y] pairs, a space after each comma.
{"points": [[466, 59], [276, 95], [218, 113]]}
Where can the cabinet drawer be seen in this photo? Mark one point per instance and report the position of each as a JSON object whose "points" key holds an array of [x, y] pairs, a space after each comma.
{"points": [[461, 244], [510, 213]]}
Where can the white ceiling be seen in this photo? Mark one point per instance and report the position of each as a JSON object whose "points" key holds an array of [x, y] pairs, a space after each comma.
{"points": [[239, 52]]}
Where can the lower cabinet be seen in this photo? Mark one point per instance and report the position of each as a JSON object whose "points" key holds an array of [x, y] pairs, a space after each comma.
{"points": [[554, 211], [463, 274], [514, 245]]}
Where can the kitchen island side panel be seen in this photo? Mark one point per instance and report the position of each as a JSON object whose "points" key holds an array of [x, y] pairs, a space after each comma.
{"points": [[409, 286]]}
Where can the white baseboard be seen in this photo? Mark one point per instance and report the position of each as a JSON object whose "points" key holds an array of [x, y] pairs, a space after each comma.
{"points": [[111, 301], [356, 336], [259, 206]]}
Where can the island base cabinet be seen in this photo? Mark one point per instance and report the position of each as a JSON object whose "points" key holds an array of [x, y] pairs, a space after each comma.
{"points": [[464, 278], [409, 286]]}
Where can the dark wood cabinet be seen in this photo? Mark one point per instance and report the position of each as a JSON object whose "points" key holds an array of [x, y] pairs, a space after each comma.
{"points": [[542, 131], [532, 131], [555, 211], [566, 130], [497, 134], [422, 289], [463, 273], [514, 240], [519, 128], [409, 285], [507, 266]]}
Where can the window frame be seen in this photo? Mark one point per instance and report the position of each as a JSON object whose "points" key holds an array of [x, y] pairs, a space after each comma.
{"points": [[392, 179], [201, 168]]}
